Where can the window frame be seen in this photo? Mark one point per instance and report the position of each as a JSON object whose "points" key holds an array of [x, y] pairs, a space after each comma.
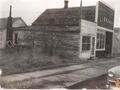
{"points": [[86, 43], [103, 33]]}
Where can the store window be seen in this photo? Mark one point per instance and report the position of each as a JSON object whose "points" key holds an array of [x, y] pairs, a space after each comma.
{"points": [[86, 43], [100, 40]]}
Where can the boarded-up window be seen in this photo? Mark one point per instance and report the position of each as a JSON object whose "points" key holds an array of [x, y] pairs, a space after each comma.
{"points": [[86, 43], [100, 40]]}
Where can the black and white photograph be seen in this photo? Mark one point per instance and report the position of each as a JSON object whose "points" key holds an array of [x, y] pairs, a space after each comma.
{"points": [[60, 44]]}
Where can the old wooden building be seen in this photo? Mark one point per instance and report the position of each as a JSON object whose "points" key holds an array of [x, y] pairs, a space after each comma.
{"points": [[82, 32], [95, 36]]}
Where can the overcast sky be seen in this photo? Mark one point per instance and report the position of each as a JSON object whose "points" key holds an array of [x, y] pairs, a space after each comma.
{"points": [[29, 10]]}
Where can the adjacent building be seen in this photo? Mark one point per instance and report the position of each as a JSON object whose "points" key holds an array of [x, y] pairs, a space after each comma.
{"points": [[16, 22], [8, 38]]}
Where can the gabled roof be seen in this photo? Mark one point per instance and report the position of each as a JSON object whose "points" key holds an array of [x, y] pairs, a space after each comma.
{"points": [[3, 22], [69, 16]]}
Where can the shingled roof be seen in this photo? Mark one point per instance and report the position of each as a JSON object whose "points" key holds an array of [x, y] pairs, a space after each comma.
{"points": [[3, 21], [69, 16]]}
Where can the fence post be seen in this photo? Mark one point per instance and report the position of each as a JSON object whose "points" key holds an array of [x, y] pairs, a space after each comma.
{"points": [[0, 77]]}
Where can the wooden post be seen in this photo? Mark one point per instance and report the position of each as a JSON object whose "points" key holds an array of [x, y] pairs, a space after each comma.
{"points": [[80, 24]]}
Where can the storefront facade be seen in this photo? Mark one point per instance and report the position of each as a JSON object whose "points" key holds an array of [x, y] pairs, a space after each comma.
{"points": [[97, 38], [105, 25]]}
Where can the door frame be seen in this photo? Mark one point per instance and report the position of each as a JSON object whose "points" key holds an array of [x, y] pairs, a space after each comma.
{"points": [[93, 55]]}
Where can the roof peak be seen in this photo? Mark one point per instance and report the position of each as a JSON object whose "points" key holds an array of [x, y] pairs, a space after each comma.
{"points": [[71, 7]]}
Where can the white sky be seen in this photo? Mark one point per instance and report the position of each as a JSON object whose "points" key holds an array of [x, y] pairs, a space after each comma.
{"points": [[29, 10]]}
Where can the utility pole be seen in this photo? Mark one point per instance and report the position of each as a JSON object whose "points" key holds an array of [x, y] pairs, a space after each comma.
{"points": [[80, 25]]}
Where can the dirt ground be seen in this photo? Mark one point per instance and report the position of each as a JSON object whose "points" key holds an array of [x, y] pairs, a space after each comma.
{"points": [[95, 83]]}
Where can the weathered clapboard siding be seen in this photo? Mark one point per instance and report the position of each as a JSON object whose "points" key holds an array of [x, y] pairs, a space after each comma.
{"points": [[63, 43]]}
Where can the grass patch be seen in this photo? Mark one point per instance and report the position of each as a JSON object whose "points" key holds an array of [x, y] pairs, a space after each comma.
{"points": [[21, 60]]}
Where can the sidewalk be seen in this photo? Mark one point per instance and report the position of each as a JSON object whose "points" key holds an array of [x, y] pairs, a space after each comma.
{"points": [[60, 77]]}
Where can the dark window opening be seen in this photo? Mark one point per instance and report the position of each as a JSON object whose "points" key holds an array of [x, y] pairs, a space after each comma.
{"points": [[16, 38]]}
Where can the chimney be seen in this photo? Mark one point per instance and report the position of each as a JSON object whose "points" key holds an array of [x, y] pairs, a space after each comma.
{"points": [[10, 12], [66, 4]]}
